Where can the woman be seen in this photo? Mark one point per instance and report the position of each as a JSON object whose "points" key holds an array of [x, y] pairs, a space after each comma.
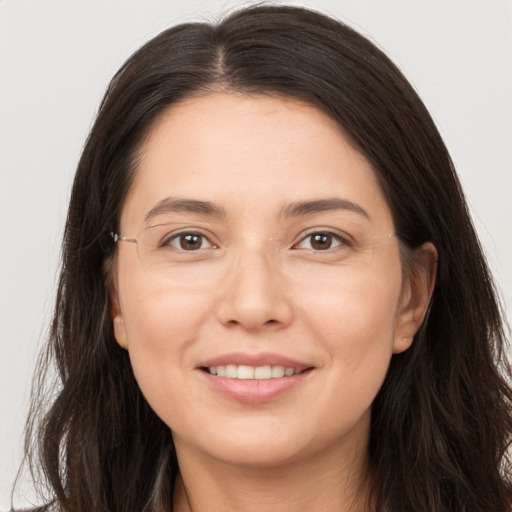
{"points": [[272, 295]]}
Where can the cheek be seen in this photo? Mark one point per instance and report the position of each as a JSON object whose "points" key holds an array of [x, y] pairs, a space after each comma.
{"points": [[355, 325], [355, 320], [161, 323], [364, 305]]}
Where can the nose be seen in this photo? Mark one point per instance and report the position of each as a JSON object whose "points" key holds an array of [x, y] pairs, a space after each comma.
{"points": [[254, 295]]}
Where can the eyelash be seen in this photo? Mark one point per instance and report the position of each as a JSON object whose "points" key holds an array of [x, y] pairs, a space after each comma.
{"points": [[335, 236], [341, 240], [167, 241]]}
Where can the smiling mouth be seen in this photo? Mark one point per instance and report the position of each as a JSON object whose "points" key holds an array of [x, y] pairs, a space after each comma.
{"points": [[245, 372]]}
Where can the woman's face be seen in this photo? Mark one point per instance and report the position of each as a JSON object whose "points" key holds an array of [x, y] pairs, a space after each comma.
{"points": [[264, 298]]}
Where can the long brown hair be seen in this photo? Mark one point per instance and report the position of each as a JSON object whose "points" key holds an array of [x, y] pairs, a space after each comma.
{"points": [[441, 423]]}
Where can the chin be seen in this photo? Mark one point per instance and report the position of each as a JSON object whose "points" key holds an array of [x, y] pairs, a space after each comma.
{"points": [[268, 443], [260, 455]]}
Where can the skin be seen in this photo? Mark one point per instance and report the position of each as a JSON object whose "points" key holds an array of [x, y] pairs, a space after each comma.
{"points": [[256, 285]]}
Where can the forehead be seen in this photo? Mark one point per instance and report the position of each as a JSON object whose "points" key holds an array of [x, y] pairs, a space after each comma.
{"points": [[248, 153]]}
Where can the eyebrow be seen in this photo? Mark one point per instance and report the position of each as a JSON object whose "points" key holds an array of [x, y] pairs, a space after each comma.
{"points": [[170, 205], [301, 208], [296, 209]]}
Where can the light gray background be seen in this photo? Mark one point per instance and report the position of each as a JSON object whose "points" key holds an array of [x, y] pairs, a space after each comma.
{"points": [[57, 57]]}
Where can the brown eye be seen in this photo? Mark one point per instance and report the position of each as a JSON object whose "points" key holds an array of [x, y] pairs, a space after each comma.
{"points": [[321, 241], [189, 241]]}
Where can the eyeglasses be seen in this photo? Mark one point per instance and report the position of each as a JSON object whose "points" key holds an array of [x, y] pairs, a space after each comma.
{"points": [[165, 249]]}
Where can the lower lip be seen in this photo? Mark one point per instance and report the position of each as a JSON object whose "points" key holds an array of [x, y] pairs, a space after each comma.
{"points": [[254, 391]]}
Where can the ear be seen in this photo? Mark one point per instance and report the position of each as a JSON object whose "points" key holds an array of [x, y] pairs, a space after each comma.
{"points": [[118, 319], [417, 290]]}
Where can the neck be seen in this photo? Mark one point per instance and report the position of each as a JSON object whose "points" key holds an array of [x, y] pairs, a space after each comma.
{"points": [[330, 482]]}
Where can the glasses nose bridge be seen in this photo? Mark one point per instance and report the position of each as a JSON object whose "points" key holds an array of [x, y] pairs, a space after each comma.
{"points": [[255, 255], [253, 293]]}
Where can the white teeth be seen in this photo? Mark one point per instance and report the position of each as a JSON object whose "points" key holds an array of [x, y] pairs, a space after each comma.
{"points": [[231, 371], [245, 372], [277, 372], [263, 372]]}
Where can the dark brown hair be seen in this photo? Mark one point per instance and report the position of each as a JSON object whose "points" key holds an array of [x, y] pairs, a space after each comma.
{"points": [[441, 423]]}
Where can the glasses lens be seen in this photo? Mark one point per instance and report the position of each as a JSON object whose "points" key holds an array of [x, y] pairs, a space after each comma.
{"points": [[164, 248]]}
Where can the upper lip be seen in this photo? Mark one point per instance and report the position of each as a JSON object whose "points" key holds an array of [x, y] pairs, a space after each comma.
{"points": [[261, 359]]}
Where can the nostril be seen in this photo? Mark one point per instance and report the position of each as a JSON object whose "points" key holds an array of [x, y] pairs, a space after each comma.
{"points": [[252, 306]]}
